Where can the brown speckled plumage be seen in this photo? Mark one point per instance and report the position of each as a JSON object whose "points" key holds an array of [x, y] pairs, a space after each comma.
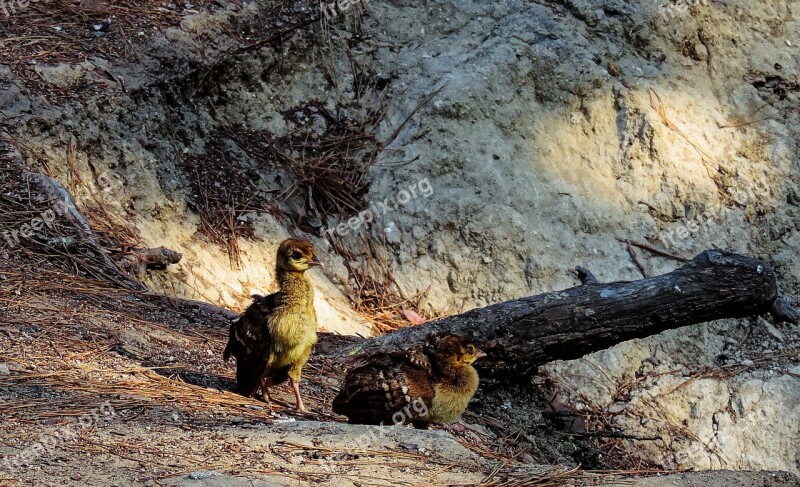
{"points": [[248, 341], [420, 386]]}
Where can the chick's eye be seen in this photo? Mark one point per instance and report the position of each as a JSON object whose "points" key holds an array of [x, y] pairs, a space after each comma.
{"points": [[470, 349], [296, 255]]}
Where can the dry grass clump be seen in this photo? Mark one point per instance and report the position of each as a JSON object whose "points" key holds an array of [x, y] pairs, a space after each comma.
{"points": [[330, 163], [50, 32], [327, 167], [65, 239], [63, 31], [56, 31], [88, 241], [375, 293]]}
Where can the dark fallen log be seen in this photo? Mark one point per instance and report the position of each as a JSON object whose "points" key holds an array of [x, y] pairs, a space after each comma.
{"points": [[520, 335]]}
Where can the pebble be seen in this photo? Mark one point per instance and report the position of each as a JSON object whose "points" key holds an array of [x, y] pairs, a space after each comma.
{"points": [[203, 475], [652, 360], [4, 369], [617, 407], [772, 330], [392, 233]]}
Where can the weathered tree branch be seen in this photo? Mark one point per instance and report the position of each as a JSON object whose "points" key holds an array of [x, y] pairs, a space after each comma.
{"points": [[520, 335], [140, 260], [783, 311], [55, 194], [63, 205]]}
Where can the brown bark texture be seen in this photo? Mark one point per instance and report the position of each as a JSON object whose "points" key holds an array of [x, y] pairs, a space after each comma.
{"points": [[522, 334]]}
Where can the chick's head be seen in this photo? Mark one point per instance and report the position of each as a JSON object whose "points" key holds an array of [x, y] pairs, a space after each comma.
{"points": [[296, 255], [456, 351]]}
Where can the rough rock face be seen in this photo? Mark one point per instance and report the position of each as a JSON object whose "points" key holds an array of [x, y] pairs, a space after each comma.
{"points": [[565, 126], [695, 413], [562, 126], [547, 144]]}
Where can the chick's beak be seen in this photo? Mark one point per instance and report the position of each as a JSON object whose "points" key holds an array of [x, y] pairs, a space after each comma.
{"points": [[315, 262], [480, 355]]}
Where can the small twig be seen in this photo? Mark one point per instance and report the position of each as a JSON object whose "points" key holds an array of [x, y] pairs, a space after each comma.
{"points": [[702, 36], [634, 258], [602, 434], [742, 121], [658, 105], [421, 104], [654, 249]]}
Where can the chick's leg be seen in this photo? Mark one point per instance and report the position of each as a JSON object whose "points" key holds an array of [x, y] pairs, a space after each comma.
{"points": [[294, 378], [265, 393], [296, 388]]}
